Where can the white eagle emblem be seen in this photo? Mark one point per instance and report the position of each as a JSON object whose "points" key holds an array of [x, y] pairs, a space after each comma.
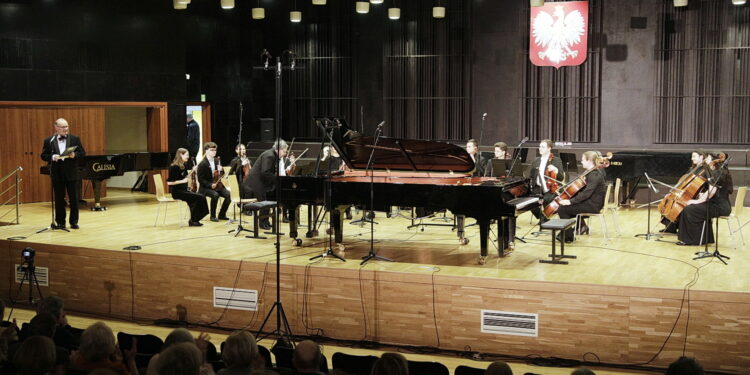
{"points": [[556, 34]]}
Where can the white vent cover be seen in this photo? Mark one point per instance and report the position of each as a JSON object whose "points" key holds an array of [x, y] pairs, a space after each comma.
{"points": [[510, 323], [239, 299], [41, 273]]}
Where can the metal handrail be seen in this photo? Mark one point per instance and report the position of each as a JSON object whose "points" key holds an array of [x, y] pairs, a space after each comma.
{"points": [[16, 196]]}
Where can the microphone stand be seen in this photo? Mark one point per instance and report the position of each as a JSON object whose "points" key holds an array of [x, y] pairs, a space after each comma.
{"points": [[53, 224], [648, 233], [518, 155], [705, 253], [372, 254], [328, 196]]}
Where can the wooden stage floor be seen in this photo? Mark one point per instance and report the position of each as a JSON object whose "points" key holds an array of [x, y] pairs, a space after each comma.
{"points": [[626, 299], [624, 260]]}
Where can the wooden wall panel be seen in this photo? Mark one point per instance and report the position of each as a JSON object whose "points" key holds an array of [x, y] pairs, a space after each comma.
{"points": [[619, 324]]}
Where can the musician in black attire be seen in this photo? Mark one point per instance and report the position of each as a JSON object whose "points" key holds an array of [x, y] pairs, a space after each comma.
{"points": [[544, 162], [693, 228], [472, 147], [178, 186], [207, 168], [238, 165], [64, 170], [501, 153], [193, 138], [262, 178], [698, 157], [590, 199]]}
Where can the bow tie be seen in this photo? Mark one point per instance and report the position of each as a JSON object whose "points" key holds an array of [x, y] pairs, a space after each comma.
{"points": [[61, 138]]}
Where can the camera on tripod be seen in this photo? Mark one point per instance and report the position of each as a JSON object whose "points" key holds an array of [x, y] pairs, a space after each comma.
{"points": [[28, 255]]}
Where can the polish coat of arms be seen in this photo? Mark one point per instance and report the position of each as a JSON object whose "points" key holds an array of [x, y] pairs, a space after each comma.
{"points": [[559, 34]]}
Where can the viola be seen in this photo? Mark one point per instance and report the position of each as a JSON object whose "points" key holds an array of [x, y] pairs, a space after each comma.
{"points": [[570, 190], [245, 168], [551, 177], [218, 174], [192, 178]]}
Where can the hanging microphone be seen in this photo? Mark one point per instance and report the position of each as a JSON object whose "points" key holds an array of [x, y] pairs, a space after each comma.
{"points": [[484, 116], [381, 124], [265, 57], [524, 140]]}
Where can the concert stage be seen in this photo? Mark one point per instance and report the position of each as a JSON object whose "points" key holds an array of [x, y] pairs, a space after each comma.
{"points": [[620, 299]]}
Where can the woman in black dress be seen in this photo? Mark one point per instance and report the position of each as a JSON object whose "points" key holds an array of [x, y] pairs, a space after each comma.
{"points": [[715, 198], [590, 199], [178, 186]]}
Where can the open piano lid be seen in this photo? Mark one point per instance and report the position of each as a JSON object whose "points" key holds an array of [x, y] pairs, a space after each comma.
{"points": [[399, 154]]}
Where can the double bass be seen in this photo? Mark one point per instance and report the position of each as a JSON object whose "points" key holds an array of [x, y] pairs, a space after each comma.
{"points": [[687, 188], [571, 189]]}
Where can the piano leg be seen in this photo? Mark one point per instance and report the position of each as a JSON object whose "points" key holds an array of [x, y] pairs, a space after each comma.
{"points": [[336, 223], [460, 220], [97, 184], [293, 219], [505, 233], [484, 232]]}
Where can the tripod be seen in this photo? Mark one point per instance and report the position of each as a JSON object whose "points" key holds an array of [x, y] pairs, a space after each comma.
{"points": [[29, 275]]}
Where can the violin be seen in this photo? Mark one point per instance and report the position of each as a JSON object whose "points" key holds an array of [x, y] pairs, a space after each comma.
{"points": [[218, 174], [551, 177], [192, 178], [572, 188]]}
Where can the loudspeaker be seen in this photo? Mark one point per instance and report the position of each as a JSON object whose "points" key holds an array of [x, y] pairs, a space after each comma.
{"points": [[638, 22], [266, 130]]}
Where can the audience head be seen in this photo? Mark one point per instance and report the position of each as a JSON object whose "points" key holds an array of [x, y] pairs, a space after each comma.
{"points": [[180, 359], [498, 368], [43, 324], [97, 342], [685, 366], [179, 335], [35, 356], [582, 371], [55, 306], [2, 310], [307, 357], [240, 350], [391, 364]]}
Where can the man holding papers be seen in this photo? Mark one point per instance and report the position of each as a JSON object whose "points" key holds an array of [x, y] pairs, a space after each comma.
{"points": [[61, 151]]}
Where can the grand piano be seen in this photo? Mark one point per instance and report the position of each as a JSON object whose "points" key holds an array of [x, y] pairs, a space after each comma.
{"points": [[404, 172], [98, 168], [631, 166]]}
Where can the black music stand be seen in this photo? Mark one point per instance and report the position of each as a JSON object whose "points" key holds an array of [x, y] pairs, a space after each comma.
{"points": [[648, 233]]}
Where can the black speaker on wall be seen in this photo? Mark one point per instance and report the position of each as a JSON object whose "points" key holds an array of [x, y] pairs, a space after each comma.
{"points": [[266, 130]]}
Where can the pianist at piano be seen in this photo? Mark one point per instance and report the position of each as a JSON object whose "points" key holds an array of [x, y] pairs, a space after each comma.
{"points": [[64, 170], [262, 179], [178, 186]]}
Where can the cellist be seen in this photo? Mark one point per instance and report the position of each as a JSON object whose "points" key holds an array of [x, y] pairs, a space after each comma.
{"points": [[697, 157], [545, 163], [693, 228], [590, 199]]}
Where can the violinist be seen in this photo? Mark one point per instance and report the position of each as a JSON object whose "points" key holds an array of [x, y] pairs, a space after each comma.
{"points": [[590, 199], [544, 167], [697, 157], [240, 165], [693, 229], [178, 186], [208, 169], [472, 147]]}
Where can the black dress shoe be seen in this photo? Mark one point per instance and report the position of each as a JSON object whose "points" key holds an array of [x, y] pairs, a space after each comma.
{"points": [[223, 217], [214, 218], [74, 226], [195, 223], [680, 243], [265, 226], [583, 229], [559, 237]]}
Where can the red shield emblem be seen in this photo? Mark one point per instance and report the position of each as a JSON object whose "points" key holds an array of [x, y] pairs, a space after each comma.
{"points": [[559, 33]]}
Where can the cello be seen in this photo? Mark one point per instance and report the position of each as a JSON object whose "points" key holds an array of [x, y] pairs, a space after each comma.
{"points": [[571, 189], [687, 188]]}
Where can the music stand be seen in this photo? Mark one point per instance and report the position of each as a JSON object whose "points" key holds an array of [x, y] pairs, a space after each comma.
{"points": [[648, 233], [569, 161], [500, 167], [705, 253]]}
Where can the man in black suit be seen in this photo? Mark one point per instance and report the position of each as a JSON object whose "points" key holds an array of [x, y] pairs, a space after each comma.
{"points": [[64, 170], [206, 169], [193, 138], [262, 178], [543, 163], [472, 147]]}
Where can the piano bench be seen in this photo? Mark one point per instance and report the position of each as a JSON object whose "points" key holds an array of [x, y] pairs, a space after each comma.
{"points": [[558, 225], [261, 210]]}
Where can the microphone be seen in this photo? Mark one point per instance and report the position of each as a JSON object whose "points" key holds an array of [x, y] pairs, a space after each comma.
{"points": [[524, 140], [294, 60], [380, 126], [484, 116], [265, 57]]}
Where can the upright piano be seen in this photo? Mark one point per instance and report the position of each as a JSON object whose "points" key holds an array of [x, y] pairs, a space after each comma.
{"points": [[404, 172], [98, 168]]}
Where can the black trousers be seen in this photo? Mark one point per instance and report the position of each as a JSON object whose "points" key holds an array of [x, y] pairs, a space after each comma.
{"points": [[547, 197], [196, 202], [60, 186], [569, 212], [215, 194]]}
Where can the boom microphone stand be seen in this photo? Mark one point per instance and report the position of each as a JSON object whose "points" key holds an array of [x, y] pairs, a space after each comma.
{"points": [[372, 254]]}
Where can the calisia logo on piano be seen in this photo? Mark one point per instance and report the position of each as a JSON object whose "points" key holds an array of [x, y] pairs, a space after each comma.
{"points": [[98, 167]]}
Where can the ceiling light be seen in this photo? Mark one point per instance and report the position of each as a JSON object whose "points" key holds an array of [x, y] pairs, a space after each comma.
{"points": [[536, 3], [295, 16], [183, 1], [259, 13], [438, 12], [394, 13], [680, 3], [376, 1], [227, 4], [319, 2], [739, 2], [177, 5], [363, 7]]}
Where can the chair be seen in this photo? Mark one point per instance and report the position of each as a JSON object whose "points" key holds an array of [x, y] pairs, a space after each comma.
{"points": [[146, 346], [163, 199], [427, 368], [739, 206], [236, 199], [353, 364], [265, 354], [466, 370], [600, 214], [613, 205]]}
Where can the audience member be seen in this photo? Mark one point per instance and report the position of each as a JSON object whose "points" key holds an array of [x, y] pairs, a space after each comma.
{"points": [[307, 358], [64, 335], [98, 350], [685, 366], [43, 324], [391, 364], [182, 359], [498, 368], [239, 353], [36, 356], [582, 371], [178, 336]]}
